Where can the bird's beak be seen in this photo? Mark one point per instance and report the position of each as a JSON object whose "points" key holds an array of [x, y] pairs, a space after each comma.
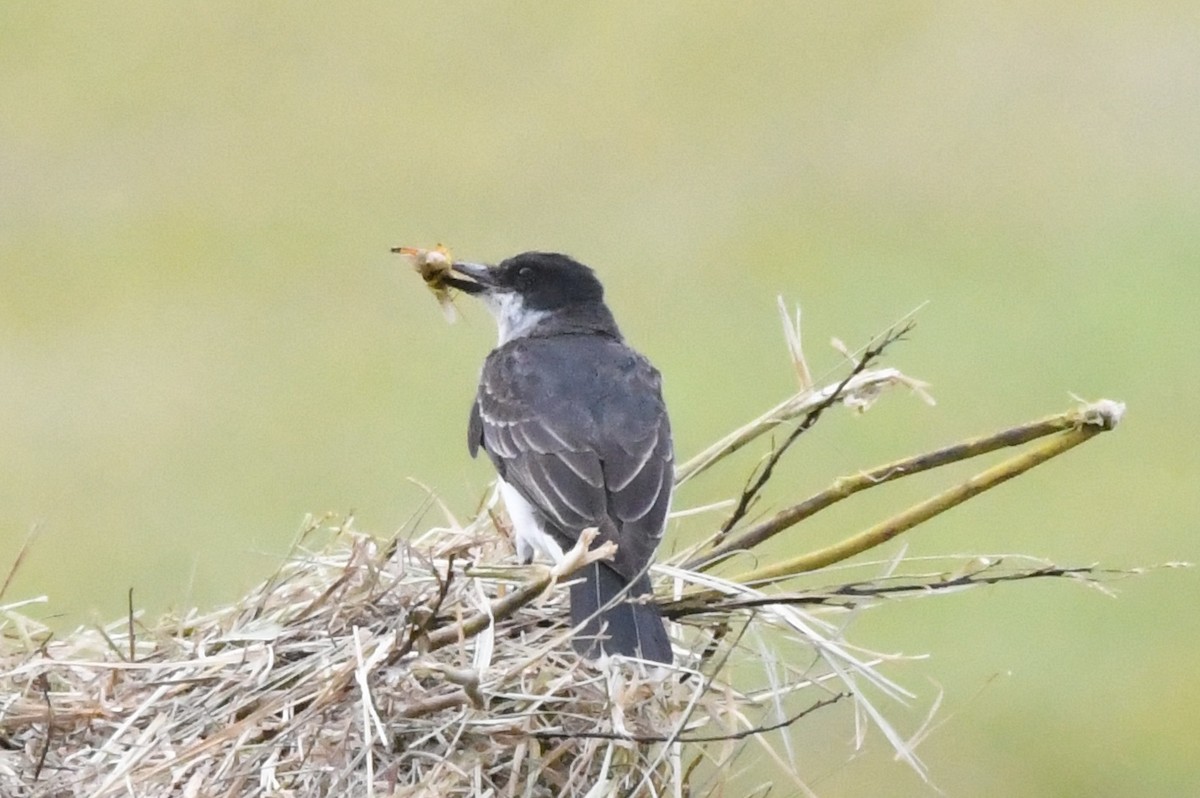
{"points": [[481, 279]]}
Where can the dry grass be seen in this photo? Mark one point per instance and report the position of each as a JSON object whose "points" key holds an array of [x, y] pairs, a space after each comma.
{"points": [[422, 667]]}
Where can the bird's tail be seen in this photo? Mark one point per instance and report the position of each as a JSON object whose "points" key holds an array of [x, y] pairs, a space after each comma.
{"points": [[616, 625]]}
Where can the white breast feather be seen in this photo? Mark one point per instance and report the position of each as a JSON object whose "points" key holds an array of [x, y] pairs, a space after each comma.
{"points": [[530, 537]]}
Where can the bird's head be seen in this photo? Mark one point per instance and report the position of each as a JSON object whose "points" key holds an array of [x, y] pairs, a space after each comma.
{"points": [[533, 287]]}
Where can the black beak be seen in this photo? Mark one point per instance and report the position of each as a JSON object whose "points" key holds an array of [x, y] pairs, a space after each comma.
{"points": [[481, 277]]}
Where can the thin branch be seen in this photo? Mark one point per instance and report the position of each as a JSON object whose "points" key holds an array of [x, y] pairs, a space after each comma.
{"points": [[432, 704], [866, 387], [421, 626], [845, 595], [505, 606], [132, 631], [714, 738], [764, 474], [921, 512], [846, 486], [42, 682], [20, 558]]}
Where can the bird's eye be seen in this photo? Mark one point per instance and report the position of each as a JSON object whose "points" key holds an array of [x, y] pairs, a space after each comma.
{"points": [[525, 273]]}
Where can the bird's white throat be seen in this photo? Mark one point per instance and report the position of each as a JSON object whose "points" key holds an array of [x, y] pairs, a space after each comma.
{"points": [[513, 319]]}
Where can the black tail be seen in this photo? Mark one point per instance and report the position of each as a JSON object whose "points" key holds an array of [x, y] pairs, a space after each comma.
{"points": [[621, 627]]}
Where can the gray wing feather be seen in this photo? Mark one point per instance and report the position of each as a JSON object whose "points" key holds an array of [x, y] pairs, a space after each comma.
{"points": [[643, 496], [631, 461], [577, 425]]}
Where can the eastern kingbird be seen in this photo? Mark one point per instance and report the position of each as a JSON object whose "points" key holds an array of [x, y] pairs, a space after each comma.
{"points": [[574, 422]]}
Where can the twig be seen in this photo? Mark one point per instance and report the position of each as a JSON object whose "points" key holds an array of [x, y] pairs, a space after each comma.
{"points": [[921, 512], [311, 524], [428, 706], [421, 626], [505, 606], [132, 634], [43, 684], [868, 385], [20, 558], [846, 486], [811, 417], [337, 586], [714, 738], [844, 595]]}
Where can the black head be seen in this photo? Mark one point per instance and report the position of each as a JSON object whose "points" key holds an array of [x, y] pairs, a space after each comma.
{"points": [[539, 293], [548, 280], [544, 280]]}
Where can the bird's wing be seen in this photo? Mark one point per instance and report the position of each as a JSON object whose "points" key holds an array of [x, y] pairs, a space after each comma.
{"points": [[577, 425]]}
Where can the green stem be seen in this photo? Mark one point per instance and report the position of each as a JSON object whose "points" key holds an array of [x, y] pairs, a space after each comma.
{"points": [[921, 512]]}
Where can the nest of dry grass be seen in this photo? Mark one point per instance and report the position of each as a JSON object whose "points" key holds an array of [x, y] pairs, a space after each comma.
{"points": [[425, 667]]}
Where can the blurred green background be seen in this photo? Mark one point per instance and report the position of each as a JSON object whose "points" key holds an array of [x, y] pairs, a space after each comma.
{"points": [[203, 335]]}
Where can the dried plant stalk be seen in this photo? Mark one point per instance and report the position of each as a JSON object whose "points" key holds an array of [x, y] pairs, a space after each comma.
{"points": [[369, 667]]}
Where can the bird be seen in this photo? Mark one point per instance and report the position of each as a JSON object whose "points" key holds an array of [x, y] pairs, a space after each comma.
{"points": [[574, 422]]}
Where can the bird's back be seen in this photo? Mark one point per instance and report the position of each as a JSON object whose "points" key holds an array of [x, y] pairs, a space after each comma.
{"points": [[577, 424]]}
